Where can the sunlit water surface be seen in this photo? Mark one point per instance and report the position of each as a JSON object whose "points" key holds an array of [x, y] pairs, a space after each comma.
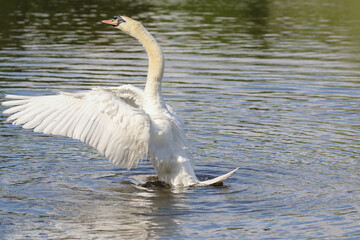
{"points": [[267, 86]]}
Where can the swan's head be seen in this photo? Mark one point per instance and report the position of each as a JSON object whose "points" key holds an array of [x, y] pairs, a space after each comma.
{"points": [[126, 24]]}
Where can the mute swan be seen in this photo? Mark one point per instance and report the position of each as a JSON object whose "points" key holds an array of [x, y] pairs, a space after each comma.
{"points": [[126, 124]]}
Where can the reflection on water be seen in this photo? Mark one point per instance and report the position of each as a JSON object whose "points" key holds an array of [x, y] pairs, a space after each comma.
{"points": [[270, 86]]}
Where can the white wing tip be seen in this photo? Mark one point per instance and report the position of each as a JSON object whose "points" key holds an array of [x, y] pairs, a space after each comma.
{"points": [[216, 180]]}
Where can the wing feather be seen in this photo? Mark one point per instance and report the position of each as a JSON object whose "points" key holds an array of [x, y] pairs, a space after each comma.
{"points": [[101, 117], [132, 95]]}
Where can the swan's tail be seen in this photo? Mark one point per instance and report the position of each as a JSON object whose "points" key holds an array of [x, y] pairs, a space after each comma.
{"points": [[215, 181]]}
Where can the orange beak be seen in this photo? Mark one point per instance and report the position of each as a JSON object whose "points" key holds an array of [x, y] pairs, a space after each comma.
{"points": [[112, 22]]}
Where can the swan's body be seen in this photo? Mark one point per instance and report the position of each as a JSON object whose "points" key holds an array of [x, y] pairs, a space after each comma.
{"points": [[126, 124]]}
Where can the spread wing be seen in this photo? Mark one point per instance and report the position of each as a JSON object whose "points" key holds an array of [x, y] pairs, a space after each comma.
{"points": [[109, 119]]}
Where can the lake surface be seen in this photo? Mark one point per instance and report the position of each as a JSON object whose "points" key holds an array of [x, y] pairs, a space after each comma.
{"points": [[271, 87]]}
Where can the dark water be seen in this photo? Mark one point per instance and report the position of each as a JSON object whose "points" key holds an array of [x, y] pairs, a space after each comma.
{"points": [[272, 87]]}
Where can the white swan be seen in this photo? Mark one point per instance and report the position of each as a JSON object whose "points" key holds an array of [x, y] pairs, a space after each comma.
{"points": [[126, 124]]}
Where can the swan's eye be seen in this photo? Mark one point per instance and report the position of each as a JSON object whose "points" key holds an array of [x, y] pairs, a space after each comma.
{"points": [[119, 19]]}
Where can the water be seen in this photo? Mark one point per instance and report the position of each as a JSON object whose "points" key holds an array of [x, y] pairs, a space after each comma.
{"points": [[272, 87]]}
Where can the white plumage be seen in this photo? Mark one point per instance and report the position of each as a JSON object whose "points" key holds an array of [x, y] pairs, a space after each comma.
{"points": [[126, 124], [101, 117]]}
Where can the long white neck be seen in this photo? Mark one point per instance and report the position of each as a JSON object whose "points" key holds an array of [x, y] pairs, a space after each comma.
{"points": [[156, 67]]}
